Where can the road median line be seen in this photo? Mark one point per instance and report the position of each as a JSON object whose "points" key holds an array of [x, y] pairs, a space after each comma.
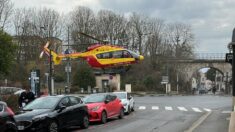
{"points": [[198, 122]]}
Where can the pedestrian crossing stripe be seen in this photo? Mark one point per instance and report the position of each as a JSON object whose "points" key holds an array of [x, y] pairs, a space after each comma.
{"points": [[196, 109], [182, 108], [155, 108], [226, 112], [208, 110], [142, 107], [168, 108]]}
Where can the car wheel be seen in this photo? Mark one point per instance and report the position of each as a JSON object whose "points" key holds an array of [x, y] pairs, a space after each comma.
{"points": [[53, 127], [103, 117], [121, 114], [128, 110], [85, 123], [133, 107]]}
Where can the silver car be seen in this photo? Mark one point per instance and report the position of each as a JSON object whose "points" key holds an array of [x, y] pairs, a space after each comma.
{"points": [[127, 101]]}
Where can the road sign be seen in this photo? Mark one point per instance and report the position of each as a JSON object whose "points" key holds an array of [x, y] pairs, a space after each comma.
{"points": [[165, 79], [229, 58]]}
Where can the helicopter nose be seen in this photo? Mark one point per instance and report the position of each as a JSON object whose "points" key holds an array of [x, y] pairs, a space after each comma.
{"points": [[141, 57]]}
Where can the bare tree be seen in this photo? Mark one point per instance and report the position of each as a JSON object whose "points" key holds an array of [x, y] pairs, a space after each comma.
{"points": [[111, 27], [180, 39], [32, 28], [138, 30], [82, 20], [6, 10], [155, 39]]}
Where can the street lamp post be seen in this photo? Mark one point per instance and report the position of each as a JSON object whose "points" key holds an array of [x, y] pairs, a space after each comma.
{"points": [[231, 46], [50, 73]]}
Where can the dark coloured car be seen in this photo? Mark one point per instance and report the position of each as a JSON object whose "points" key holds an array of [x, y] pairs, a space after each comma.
{"points": [[7, 122], [53, 113]]}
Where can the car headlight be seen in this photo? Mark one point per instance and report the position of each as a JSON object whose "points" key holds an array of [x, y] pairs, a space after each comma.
{"points": [[40, 117], [95, 108]]}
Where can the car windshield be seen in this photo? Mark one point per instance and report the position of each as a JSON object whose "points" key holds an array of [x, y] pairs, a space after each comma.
{"points": [[42, 103], [121, 95], [1, 107], [94, 98]]}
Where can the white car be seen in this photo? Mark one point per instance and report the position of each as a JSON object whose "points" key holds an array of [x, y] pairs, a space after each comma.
{"points": [[127, 101]]}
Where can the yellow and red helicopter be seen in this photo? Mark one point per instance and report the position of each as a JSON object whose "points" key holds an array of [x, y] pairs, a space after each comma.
{"points": [[99, 56]]}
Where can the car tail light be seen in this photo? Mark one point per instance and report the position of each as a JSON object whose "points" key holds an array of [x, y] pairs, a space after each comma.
{"points": [[9, 111]]}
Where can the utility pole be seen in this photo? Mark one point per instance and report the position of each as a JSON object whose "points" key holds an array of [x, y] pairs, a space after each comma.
{"points": [[231, 46], [50, 73], [68, 67], [177, 83]]}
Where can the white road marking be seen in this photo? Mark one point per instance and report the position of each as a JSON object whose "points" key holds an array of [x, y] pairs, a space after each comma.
{"points": [[142, 107], [168, 108], [182, 108], [155, 108], [198, 122], [196, 109], [208, 110], [226, 112]]}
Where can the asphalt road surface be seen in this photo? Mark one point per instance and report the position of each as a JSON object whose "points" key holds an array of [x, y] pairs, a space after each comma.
{"points": [[205, 113]]}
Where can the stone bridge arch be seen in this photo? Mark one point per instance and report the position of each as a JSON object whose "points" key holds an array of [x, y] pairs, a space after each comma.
{"points": [[190, 67]]}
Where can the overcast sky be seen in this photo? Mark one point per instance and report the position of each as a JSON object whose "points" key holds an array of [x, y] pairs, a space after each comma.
{"points": [[212, 21]]}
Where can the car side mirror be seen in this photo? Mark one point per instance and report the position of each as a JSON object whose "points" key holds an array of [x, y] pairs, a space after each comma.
{"points": [[106, 101], [61, 108], [129, 98]]}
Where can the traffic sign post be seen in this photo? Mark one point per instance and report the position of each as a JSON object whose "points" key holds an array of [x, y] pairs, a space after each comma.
{"points": [[165, 80], [229, 58], [231, 46]]}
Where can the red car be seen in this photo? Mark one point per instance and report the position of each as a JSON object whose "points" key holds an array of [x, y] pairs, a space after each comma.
{"points": [[103, 106]]}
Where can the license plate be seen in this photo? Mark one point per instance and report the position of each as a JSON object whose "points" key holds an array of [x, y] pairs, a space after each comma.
{"points": [[20, 127]]}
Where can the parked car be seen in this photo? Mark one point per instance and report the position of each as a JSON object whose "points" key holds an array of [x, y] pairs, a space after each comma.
{"points": [[53, 113], [203, 91], [103, 106], [127, 101], [7, 122]]}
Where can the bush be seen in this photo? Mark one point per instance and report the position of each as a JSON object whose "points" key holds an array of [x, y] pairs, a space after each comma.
{"points": [[59, 78]]}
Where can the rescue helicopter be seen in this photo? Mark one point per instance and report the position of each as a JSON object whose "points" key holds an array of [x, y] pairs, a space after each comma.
{"points": [[98, 56]]}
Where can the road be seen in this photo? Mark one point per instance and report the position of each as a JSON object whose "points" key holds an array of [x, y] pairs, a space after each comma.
{"points": [[205, 113]]}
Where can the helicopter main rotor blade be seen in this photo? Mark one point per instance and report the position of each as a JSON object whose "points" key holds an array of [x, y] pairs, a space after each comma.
{"points": [[41, 54], [92, 37]]}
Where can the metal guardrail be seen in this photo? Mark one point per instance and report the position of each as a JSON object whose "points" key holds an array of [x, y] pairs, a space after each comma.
{"points": [[209, 56]]}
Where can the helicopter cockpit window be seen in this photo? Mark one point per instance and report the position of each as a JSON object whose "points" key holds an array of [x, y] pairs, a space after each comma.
{"points": [[126, 54], [104, 55], [117, 54], [135, 55]]}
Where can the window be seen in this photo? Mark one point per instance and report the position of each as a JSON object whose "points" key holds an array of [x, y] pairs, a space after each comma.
{"points": [[117, 54], [128, 95], [104, 55], [108, 97], [113, 97], [74, 100], [64, 102], [1, 108], [126, 54]]}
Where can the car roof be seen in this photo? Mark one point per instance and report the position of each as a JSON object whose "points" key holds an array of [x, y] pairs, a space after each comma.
{"points": [[3, 103], [120, 92], [103, 94]]}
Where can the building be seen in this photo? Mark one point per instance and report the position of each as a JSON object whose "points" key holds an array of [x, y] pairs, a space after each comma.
{"points": [[194, 83], [108, 82]]}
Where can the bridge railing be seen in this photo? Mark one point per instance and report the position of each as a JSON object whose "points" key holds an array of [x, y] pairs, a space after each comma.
{"points": [[209, 56]]}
